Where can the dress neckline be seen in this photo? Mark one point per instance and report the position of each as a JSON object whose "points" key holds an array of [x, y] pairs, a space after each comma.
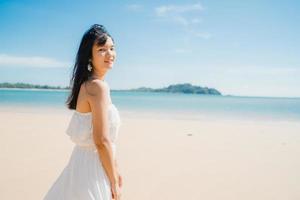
{"points": [[89, 113]]}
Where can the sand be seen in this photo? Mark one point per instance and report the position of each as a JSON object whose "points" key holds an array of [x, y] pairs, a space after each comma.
{"points": [[160, 158]]}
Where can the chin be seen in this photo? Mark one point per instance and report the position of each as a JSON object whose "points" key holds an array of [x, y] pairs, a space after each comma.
{"points": [[109, 67]]}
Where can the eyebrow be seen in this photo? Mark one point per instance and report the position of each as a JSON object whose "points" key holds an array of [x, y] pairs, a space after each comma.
{"points": [[104, 46]]}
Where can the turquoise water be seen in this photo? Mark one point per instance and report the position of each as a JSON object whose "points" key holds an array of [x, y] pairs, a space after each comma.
{"points": [[205, 105]]}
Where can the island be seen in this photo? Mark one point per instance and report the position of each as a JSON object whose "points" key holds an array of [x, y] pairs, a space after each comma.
{"points": [[30, 86], [185, 88]]}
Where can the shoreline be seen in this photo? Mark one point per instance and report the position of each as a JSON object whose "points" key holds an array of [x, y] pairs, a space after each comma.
{"points": [[154, 114]]}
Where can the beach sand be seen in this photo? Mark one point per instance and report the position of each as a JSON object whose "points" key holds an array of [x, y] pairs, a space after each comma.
{"points": [[160, 158]]}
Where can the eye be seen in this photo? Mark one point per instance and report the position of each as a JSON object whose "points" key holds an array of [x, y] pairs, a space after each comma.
{"points": [[112, 48], [101, 49]]}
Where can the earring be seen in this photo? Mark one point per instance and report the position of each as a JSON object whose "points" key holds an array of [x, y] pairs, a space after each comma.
{"points": [[89, 67]]}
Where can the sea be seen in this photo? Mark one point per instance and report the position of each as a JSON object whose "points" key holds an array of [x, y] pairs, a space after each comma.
{"points": [[164, 105]]}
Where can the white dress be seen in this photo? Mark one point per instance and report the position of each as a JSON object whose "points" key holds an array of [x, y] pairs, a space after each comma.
{"points": [[84, 177]]}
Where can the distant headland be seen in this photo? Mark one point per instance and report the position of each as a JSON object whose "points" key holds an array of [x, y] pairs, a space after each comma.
{"points": [[185, 88], [30, 86]]}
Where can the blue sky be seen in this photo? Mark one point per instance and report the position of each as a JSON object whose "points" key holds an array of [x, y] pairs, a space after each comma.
{"points": [[246, 48]]}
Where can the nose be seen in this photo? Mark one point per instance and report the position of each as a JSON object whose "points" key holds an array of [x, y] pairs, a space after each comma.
{"points": [[109, 52]]}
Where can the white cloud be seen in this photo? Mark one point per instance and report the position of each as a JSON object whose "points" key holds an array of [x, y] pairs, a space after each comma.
{"points": [[134, 7], [181, 20], [185, 21], [171, 9], [177, 13], [30, 61], [188, 16]]}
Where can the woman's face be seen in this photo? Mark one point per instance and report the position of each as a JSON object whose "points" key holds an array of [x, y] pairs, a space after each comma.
{"points": [[104, 56]]}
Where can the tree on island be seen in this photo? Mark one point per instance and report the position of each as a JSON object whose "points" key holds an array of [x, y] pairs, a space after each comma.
{"points": [[29, 86], [185, 88]]}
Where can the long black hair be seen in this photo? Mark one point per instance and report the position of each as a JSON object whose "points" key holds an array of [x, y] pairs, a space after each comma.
{"points": [[96, 34]]}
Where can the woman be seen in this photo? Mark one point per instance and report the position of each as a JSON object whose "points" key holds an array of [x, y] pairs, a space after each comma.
{"points": [[91, 173]]}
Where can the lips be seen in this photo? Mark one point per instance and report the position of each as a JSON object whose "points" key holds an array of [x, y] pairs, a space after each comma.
{"points": [[109, 61]]}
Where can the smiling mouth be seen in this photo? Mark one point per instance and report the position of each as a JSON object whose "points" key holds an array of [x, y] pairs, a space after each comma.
{"points": [[110, 61]]}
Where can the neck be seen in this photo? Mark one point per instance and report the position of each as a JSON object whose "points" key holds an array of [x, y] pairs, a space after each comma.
{"points": [[98, 75]]}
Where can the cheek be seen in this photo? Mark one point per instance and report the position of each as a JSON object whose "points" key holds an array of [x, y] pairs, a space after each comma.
{"points": [[100, 57], [98, 60]]}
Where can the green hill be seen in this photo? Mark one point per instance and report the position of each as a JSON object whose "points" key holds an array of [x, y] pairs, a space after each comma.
{"points": [[186, 88]]}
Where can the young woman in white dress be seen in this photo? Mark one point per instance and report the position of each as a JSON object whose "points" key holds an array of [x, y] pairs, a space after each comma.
{"points": [[92, 172]]}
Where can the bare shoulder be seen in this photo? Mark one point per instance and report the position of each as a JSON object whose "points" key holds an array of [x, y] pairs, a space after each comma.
{"points": [[96, 88]]}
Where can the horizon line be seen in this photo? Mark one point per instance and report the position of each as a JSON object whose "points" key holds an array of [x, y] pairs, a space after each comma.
{"points": [[233, 95]]}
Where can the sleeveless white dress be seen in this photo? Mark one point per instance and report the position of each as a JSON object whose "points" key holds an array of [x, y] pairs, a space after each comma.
{"points": [[84, 177]]}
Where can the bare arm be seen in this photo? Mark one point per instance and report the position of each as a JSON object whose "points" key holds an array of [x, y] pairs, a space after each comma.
{"points": [[120, 178], [98, 100]]}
